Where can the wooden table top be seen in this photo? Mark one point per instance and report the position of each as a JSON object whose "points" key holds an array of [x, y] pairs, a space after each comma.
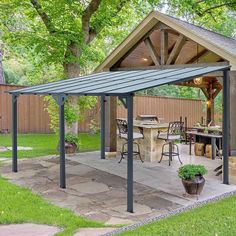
{"points": [[204, 134]]}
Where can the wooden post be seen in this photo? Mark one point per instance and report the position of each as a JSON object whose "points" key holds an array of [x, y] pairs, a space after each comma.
{"points": [[210, 106]]}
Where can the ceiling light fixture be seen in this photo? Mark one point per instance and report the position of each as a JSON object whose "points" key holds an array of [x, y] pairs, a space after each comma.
{"points": [[198, 80]]}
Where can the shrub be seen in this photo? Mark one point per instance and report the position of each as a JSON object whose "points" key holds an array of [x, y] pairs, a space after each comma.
{"points": [[188, 172], [72, 138]]}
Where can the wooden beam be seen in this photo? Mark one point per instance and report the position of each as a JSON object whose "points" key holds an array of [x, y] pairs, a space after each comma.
{"points": [[210, 106], [176, 50], [205, 92], [198, 56], [117, 64], [192, 84], [152, 51], [216, 92], [164, 46]]}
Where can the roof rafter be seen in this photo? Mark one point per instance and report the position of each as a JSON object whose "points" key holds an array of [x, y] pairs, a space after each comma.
{"points": [[176, 50], [152, 51]]}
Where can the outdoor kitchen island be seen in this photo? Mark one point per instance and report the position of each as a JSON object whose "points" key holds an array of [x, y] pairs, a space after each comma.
{"points": [[150, 146]]}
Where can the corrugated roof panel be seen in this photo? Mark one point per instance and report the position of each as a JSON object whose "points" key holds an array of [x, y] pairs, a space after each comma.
{"points": [[119, 82]]}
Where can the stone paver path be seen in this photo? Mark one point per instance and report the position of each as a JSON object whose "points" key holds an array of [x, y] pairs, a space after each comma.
{"points": [[92, 193], [93, 231], [28, 230]]}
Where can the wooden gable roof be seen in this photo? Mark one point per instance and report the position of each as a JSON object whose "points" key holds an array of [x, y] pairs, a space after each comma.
{"points": [[186, 44]]}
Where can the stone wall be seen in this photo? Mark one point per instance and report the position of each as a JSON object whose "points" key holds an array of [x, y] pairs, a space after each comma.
{"points": [[232, 169]]}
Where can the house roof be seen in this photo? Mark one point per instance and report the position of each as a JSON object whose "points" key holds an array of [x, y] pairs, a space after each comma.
{"points": [[215, 42], [118, 83]]}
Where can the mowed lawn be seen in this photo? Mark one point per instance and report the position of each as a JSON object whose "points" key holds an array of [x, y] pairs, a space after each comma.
{"points": [[46, 144], [214, 219], [20, 205]]}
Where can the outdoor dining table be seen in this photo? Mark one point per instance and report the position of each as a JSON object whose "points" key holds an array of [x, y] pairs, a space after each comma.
{"points": [[212, 136], [150, 146]]}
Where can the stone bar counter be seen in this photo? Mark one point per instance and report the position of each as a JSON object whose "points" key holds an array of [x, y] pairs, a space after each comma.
{"points": [[150, 146]]}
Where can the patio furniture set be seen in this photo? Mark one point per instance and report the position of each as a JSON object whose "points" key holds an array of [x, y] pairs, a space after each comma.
{"points": [[168, 134]]}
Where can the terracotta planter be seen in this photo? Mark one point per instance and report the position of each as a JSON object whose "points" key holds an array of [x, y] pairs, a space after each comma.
{"points": [[70, 147], [194, 187]]}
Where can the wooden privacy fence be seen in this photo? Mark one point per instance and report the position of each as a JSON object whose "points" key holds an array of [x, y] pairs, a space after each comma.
{"points": [[32, 117], [170, 109]]}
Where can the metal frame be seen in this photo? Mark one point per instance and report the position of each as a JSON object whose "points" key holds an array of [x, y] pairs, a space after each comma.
{"points": [[129, 101], [14, 132], [103, 123], [123, 101], [126, 96], [61, 101], [226, 112]]}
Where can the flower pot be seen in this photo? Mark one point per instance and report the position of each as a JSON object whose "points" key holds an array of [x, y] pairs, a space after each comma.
{"points": [[194, 187], [70, 147]]}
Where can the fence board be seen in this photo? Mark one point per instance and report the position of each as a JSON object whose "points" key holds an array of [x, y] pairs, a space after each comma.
{"points": [[32, 118], [169, 109]]}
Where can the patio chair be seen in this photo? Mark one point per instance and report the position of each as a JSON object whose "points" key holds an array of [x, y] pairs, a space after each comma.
{"points": [[173, 134], [123, 134]]}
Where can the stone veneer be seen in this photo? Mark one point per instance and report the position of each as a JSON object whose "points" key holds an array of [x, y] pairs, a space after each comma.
{"points": [[150, 146], [232, 170]]}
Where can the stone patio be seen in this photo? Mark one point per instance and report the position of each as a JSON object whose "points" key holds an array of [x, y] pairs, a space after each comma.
{"points": [[96, 188]]}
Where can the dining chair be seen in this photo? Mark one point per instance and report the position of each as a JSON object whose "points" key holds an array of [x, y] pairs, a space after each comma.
{"points": [[123, 134], [173, 134]]}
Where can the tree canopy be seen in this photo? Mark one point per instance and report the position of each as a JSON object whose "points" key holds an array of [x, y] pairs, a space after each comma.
{"points": [[52, 40]]}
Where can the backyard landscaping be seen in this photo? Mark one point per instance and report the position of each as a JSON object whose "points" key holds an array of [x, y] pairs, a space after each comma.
{"points": [[216, 218], [21, 205], [46, 144]]}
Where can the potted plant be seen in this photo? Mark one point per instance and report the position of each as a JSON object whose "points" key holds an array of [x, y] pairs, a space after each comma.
{"points": [[192, 178], [71, 143]]}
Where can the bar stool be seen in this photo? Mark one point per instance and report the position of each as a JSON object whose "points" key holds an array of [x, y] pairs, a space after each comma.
{"points": [[173, 134], [123, 134]]}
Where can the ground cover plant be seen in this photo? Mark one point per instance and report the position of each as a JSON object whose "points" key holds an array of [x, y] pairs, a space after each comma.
{"points": [[216, 218], [21, 206]]}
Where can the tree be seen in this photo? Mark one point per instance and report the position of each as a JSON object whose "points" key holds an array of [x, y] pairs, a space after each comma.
{"points": [[69, 37], [62, 32], [2, 78]]}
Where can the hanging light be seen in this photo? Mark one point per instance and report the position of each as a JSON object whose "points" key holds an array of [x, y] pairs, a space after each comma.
{"points": [[198, 80]]}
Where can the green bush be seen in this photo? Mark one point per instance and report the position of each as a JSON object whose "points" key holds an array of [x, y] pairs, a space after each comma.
{"points": [[72, 138], [188, 172]]}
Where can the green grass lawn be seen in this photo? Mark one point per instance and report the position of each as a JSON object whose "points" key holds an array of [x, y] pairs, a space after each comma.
{"points": [[19, 205], [214, 219], [46, 144]]}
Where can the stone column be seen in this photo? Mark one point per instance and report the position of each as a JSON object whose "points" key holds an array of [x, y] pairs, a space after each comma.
{"points": [[110, 117], [232, 158]]}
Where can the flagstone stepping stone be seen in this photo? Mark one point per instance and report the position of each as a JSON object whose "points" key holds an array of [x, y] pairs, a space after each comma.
{"points": [[118, 221], [139, 209], [21, 148], [90, 187], [3, 149], [93, 231], [28, 230], [78, 170]]}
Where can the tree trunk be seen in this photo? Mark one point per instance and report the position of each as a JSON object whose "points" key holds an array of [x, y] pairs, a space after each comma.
{"points": [[72, 70]]}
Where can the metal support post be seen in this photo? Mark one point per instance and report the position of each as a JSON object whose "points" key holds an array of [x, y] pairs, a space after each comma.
{"points": [[130, 155], [14, 132], [103, 100], [61, 100], [226, 113]]}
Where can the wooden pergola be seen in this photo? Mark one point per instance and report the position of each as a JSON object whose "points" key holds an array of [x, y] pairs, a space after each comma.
{"points": [[162, 41]]}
